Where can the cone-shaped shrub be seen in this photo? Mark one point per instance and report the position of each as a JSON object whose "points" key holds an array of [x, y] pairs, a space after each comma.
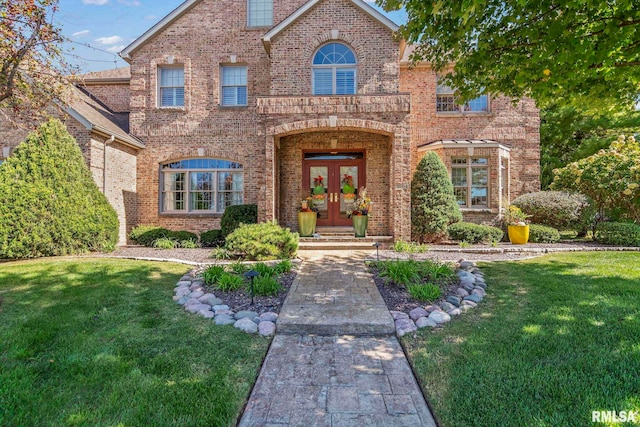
{"points": [[433, 205], [49, 203]]}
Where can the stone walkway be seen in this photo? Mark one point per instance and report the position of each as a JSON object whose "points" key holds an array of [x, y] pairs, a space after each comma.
{"points": [[318, 374]]}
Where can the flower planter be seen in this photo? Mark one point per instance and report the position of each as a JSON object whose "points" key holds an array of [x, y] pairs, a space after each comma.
{"points": [[518, 234], [360, 223], [307, 223]]}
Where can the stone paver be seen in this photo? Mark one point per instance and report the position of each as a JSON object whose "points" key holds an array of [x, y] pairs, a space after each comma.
{"points": [[325, 367]]}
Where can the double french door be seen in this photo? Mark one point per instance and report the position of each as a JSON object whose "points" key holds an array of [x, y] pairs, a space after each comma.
{"points": [[333, 180]]}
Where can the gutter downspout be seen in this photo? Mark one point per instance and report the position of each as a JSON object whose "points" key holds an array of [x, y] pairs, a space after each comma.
{"points": [[104, 164]]}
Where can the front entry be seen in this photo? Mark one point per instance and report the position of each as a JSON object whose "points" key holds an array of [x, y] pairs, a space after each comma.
{"points": [[333, 180]]}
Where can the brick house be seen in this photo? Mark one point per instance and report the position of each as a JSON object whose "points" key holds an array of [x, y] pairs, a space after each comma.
{"points": [[249, 101]]}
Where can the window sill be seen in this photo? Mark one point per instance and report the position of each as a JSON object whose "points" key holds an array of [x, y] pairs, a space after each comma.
{"points": [[465, 114], [476, 210], [232, 107], [190, 215], [176, 109]]}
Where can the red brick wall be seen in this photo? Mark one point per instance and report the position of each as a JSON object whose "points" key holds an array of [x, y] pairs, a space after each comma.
{"points": [[114, 96]]}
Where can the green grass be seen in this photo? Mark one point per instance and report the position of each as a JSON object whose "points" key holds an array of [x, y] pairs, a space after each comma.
{"points": [[556, 338], [100, 342]]}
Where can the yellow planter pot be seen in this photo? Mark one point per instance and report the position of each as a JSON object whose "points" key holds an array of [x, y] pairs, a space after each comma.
{"points": [[518, 234], [307, 223]]}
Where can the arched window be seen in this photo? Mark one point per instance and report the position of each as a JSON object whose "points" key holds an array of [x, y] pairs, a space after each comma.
{"points": [[201, 185], [334, 70]]}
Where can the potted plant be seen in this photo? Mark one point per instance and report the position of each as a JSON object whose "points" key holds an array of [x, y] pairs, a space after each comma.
{"points": [[307, 217], [517, 225], [318, 185], [348, 190], [360, 213]]}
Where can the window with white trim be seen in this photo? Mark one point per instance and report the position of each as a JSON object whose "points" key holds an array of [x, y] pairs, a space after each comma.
{"points": [[446, 102], [260, 13], [171, 87], [234, 86], [201, 185], [470, 179], [334, 70]]}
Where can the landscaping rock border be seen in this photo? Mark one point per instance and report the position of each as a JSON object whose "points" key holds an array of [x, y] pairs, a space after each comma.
{"points": [[190, 292], [471, 290]]}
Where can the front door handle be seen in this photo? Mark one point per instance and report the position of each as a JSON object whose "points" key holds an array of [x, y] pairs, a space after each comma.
{"points": [[331, 197]]}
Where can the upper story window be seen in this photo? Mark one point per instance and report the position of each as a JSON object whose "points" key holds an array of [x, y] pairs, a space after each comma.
{"points": [[470, 178], [446, 102], [201, 185], [234, 86], [171, 87], [334, 70], [260, 13]]}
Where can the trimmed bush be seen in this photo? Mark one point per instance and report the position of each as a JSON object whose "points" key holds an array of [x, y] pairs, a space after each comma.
{"points": [[433, 204], [49, 203], [618, 233], [263, 241], [474, 233], [183, 235], [147, 234], [238, 214], [558, 209], [212, 239], [165, 243], [543, 234]]}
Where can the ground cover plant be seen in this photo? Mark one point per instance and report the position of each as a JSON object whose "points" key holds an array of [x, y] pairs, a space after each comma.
{"points": [[100, 342], [555, 338], [231, 278]]}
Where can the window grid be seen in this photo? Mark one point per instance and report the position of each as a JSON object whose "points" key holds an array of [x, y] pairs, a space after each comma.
{"points": [[171, 87], [334, 71], [201, 190], [260, 13], [234, 86], [446, 102], [470, 179]]}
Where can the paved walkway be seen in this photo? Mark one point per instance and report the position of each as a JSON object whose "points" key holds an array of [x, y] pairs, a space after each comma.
{"points": [[335, 379]]}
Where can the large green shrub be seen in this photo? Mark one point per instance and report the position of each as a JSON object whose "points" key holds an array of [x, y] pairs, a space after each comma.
{"points": [[238, 214], [618, 233], [474, 233], [543, 234], [558, 209], [147, 234], [49, 203], [263, 241], [433, 204], [212, 238], [180, 236]]}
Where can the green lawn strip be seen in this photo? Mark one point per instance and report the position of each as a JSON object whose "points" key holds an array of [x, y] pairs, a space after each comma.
{"points": [[100, 342], [556, 338]]}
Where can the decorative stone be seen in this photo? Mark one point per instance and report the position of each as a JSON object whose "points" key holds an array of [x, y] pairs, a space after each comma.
{"points": [[227, 312], [467, 286], [454, 312], [417, 313], [183, 283], [451, 299], [195, 287], [217, 307], [461, 292], [468, 303], [467, 265], [210, 299], [250, 315], [196, 294], [194, 308], [440, 317], [465, 275], [224, 319], [176, 298], [477, 272], [423, 322], [446, 306], [405, 326], [246, 325], [198, 281], [397, 315], [269, 317], [208, 314], [432, 308], [267, 329], [183, 300], [481, 285], [473, 297], [181, 292], [192, 301], [479, 291]]}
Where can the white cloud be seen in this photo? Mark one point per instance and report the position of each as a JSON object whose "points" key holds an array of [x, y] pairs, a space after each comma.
{"points": [[81, 33], [129, 2], [116, 48], [96, 2], [109, 40]]}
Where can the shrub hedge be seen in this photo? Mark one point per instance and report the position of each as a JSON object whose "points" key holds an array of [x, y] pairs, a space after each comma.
{"points": [[474, 233], [618, 233], [557, 209], [49, 202], [543, 234], [212, 239], [263, 241], [238, 214], [147, 234]]}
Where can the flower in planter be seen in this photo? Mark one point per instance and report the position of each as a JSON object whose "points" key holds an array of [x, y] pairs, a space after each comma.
{"points": [[347, 180], [308, 205], [514, 216], [362, 204], [318, 180]]}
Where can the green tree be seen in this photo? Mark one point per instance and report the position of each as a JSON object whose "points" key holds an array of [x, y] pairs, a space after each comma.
{"points": [[49, 203], [585, 52], [433, 204]]}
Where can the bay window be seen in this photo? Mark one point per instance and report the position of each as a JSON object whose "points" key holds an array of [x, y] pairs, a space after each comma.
{"points": [[470, 178]]}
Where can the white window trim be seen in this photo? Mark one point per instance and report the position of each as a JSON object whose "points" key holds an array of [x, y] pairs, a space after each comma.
{"points": [[160, 87], [334, 68], [468, 167], [222, 86], [249, 25]]}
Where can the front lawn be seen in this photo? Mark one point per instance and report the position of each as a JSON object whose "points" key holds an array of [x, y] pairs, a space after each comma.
{"points": [[556, 338], [100, 342]]}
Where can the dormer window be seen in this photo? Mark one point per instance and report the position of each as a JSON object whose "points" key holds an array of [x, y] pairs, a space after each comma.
{"points": [[334, 70], [260, 13]]}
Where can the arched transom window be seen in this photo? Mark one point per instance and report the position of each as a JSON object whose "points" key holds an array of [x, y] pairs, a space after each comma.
{"points": [[334, 70], [201, 185]]}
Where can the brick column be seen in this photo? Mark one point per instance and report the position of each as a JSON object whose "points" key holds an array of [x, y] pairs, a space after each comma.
{"points": [[401, 184], [267, 211]]}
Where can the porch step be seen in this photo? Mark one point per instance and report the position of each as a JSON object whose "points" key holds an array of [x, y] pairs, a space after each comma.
{"points": [[344, 242], [334, 231]]}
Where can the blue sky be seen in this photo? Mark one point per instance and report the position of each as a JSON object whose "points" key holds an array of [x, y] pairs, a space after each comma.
{"points": [[110, 25]]}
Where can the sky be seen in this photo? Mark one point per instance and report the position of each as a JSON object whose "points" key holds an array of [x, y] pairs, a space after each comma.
{"points": [[99, 29]]}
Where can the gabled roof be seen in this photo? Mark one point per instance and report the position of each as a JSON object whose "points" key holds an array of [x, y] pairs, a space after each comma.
{"points": [[266, 39], [161, 25], [113, 76], [96, 117]]}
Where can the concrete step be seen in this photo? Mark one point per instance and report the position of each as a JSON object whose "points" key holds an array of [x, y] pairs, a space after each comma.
{"points": [[344, 242]]}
